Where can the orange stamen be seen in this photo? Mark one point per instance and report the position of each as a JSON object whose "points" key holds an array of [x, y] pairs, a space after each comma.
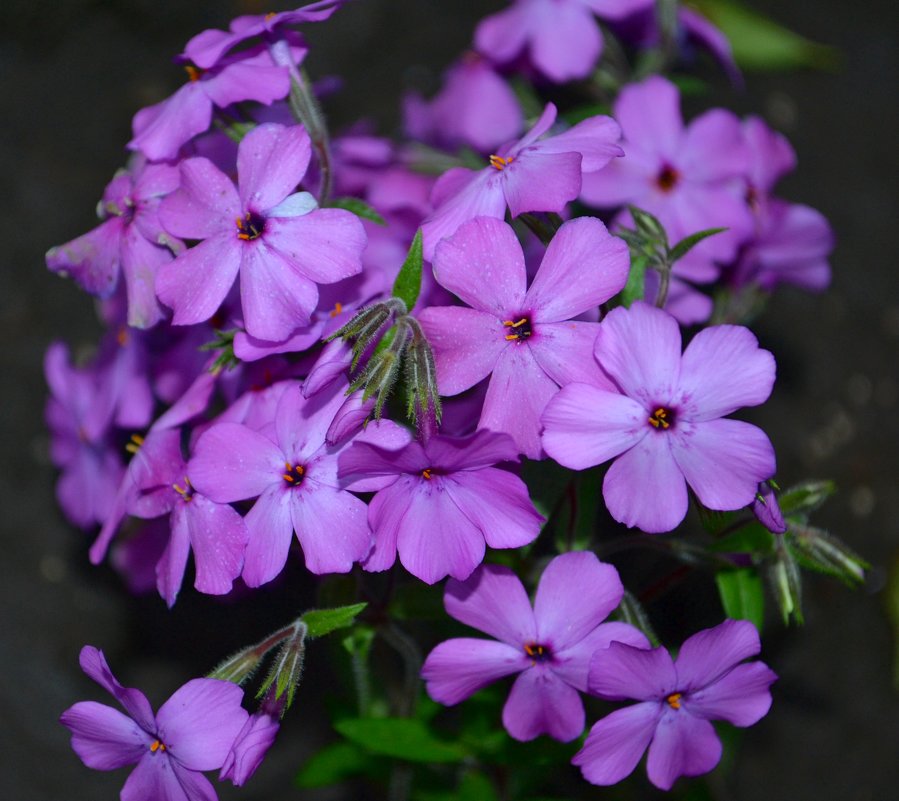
{"points": [[659, 418], [194, 73], [426, 474], [338, 308], [157, 745], [674, 700], [499, 162], [134, 446]]}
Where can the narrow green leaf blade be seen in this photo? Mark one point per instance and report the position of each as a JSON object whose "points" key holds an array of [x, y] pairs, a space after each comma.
{"points": [[323, 621], [401, 738], [687, 244], [359, 207], [742, 595], [408, 282], [635, 288], [333, 764]]}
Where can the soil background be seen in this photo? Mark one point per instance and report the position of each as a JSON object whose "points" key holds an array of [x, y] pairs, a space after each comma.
{"points": [[72, 73]]}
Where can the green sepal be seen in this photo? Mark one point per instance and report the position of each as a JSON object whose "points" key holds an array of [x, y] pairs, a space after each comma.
{"points": [[408, 283], [323, 621], [687, 244], [635, 288], [224, 342], [806, 497], [358, 207]]}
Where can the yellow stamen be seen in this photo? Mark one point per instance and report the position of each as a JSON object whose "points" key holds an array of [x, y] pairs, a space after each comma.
{"points": [[426, 474], [157, 745], [186, 491], [134, 446], [534, 650], [499, 162], [659, 418], [511, 324], [674, 700]]}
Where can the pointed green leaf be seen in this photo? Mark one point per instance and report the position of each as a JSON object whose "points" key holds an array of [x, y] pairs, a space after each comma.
{"points": [[401, 738], [753, 538], [408, 282], [359, 207], [635, 288], [334, 763], [687, 244], [648, 225], [323, 621], [742, 595]]}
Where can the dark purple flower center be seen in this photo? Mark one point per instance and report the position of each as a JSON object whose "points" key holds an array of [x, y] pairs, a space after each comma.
{"points": [[674, 700], [667, 178], [250, 226], [519, 329], [662, 419], [157, 745], [293, 476], [186, 492], [538, 652]]}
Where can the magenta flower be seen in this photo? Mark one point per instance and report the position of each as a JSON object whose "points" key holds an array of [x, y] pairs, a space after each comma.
{"points": [[129, 242], [677, 699], [663, 422], [527, 341], [527, 175], [160, 130], [690, 177], [281, 243], [192, 732], [549, 645], [250, 747], [561, 37], [439, 501], [292, 471]]}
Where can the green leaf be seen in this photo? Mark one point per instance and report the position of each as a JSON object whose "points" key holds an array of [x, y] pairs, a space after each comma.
{"points": [[761, 44], [742, 595], [892, 604], [635, 288], [333, 764], [401, 738], [687, 244], [753, 538], [408, 282], [648, 225], [359, 207], [418, 601], [324, 621]]}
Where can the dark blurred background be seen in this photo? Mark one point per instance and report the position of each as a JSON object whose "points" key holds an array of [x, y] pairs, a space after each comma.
{"points": [[72, 73]]}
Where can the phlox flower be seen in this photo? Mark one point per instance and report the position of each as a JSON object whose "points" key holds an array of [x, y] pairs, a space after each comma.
{"points": [[531, 174], [525, 339], [439, 501], [292, 471], [281, 243], [192, 732], [250, 747], [129, 242], [549, 645], [677, 700], [664, 421]]}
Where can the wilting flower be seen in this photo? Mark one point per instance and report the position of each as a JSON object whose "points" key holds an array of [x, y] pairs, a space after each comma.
{"points": [[525, 338], [549, 645], [663, 424], [677, 699], [282, 244], [192, 732], [439, 501]]}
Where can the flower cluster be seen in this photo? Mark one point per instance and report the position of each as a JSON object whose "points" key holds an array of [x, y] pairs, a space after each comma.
{"points": [[526, 282]]}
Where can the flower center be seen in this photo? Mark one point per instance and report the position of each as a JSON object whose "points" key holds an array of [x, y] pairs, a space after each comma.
{"points": [[338, 309], [501, 163], [538, 652], [294, 474], [134, 445], [157, 745], [674, 700], [250, 226], [426, 473], [186, 492], [521, 329], [662, 419], [194, 73], [667, 178]]}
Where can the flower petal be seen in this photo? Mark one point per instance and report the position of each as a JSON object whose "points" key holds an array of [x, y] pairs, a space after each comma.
{"points": [[567, 44], [205, 204], [135, 703], [622, 671], [709, 654], [564, 352], [232, 462], [575, 594], [200, 721], [271, 160], [494, 601], [723, 461], [385, 515], [457, 668], [723, 369], [269, 526], [173, 562], [683, 745], [572, 664], [741, 697], [616, 742], [583, 267], [103, 737], [218, 538], [541, 703], [585, 426], [649, 114], [537, 181], [645, 487]]}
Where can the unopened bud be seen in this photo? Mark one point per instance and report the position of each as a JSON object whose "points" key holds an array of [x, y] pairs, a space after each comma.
{"points": [[238, 667], [423, 398], [828, 554], [767, 510], [786, 582], [287, 670]]}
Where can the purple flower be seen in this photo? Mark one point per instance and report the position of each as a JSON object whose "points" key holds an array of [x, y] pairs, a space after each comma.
{"points": [[281, 243], [130, 241], [292, 471], [560, 36], [528, 340], [250, 747], [549, 645], [767, 510], [677, 700], [160, 130], [439, 501], [192, 732], [663, 422], [690, 177], [526, 175]]}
